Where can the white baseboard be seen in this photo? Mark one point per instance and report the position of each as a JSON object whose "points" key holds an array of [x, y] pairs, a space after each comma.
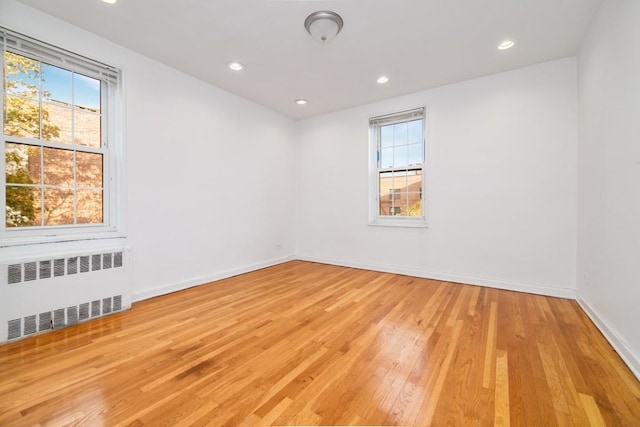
{"points": [[619, 345], [166, 289], [448, 277]]}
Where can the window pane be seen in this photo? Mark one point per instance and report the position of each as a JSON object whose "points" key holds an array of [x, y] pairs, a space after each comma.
{"points": [[415, 205], [415, 132], [401, 156], [87, 129], [56, 84], [386, 184], [86, 92], [385, 204], [56, 123], [386, 136], [89, 206], [414, 181], [23, 206], [400, 134], [22, 75], [415, 154], [22, 117], [386, 159], [397, 203], [89, 169], [22, 164], [400, 180], [58, 206], [58, 167]]}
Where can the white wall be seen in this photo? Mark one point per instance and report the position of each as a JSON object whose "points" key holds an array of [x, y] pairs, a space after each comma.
{"points": [[501, 184], [609, 176], [209, 175]]}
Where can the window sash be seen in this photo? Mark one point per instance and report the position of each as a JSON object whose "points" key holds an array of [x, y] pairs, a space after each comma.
{"points": [[109, 78]]}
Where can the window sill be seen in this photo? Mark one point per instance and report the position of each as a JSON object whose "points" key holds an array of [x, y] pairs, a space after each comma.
{"points": [[395, 222], [12, 241], [60, 249]]}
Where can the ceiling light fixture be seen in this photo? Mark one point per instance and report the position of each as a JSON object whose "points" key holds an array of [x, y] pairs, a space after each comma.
{"points": [[382, 79], [235, 66], [507, 44], [110, 1], [323, 25], [301, 101]]}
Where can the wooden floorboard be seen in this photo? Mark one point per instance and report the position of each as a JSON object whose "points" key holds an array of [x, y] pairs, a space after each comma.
{"points": [[310, 344]]}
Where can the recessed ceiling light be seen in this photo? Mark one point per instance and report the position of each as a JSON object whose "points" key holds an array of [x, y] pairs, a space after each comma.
{"points": [[382, 79], [110, 1], [507, 44], [301, 101], [235, 66]]}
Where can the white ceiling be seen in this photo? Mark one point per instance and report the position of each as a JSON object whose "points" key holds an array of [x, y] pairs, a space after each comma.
{"points": [[418, 44]]}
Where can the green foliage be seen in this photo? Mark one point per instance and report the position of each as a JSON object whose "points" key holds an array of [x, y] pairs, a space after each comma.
{"points": [[23, 119], [415, 209], [23, 111], [20, 210]]}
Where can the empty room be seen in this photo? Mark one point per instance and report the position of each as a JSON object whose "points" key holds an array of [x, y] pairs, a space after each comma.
{"points": [[296, 213]]}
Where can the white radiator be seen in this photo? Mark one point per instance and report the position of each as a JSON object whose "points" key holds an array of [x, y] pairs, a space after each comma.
{"points": [[38, 295]]}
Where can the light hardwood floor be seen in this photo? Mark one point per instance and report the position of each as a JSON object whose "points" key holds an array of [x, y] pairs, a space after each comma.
{"points": [[309, 344]]}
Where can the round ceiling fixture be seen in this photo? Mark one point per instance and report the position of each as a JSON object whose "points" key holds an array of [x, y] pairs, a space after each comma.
{"points": [[382, 79], [235, 66], [110, 1], [301, 101], [323, 25], [507, 44]]}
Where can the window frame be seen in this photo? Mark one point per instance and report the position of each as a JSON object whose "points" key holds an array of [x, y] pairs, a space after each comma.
{"points": [[375, 125], [111, 149]]}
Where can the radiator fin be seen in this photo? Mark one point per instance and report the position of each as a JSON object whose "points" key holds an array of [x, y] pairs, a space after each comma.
{"points": [[58, 318], [96, 263], [106, 305], [95, 308], [72, 315], [58, 267], [84, 264], [14, 273], [45, 321], [107, 260], [72, 265], [45, 269], [84, 311], [117, 259], [15, 328], [30, 271], [30, 325]]}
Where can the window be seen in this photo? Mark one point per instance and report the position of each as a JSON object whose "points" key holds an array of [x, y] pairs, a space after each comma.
{"points": [[397, 169], [60, 143]]}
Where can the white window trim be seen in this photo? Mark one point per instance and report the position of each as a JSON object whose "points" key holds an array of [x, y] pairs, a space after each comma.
{"points": [[113, 168], [375, 219]]}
